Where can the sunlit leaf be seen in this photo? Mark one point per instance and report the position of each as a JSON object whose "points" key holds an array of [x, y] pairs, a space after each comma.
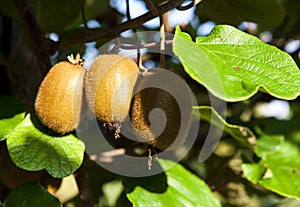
{"points": [[8, 125], [278, 169], [33, 150], [234, 65], [177, 187]]}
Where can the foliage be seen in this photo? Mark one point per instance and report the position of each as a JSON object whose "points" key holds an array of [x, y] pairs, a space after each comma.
{"points": [[60, 156], [257, 159], [278, 170], [177, 191], [236, 65], [31, 194]]}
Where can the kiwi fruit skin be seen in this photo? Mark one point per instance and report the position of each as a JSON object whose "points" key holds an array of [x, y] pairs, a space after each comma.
{"points": [[59, 99], [109, 84], [147, 99]]}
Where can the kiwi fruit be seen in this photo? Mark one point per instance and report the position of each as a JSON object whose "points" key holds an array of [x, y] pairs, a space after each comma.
{"points": [[59, 99], [109, 84], [148, 99]]}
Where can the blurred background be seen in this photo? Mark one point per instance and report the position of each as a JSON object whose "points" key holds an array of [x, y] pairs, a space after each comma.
{"points": [[276, 22]]}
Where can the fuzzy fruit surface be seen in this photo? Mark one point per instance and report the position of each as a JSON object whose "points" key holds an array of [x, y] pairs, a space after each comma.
{"points": [[59, 99], [109, 85], [147, 127]]}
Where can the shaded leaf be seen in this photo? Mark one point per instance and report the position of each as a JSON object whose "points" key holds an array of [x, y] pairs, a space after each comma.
{"points": [[182, 189], [240, 133], [8, 8], [9, 106], [281, 173], [31, 194], [267, 13], [234, 65], [33, 150], [55, 15]]}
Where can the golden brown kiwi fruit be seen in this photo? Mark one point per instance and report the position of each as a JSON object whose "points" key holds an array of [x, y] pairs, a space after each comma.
{"points": [[59, 99], [145, 101], [109, 84]]}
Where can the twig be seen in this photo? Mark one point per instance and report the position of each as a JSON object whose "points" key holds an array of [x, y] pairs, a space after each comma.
{"points": [[84, 188], [225, 183], [162, 42], [139, 60], [148, 45], [219, 173], [42, 47], [83, 14], [84, 24], [151, 7], [74, 37]]}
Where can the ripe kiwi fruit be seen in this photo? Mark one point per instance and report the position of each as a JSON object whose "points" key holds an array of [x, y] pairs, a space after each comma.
{"points": [[148, 98], [59, 99], [109, 84]]}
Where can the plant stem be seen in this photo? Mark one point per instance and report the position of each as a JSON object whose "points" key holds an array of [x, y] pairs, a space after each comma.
{"points": [[74, 37], [85, 193], [42, 47]]}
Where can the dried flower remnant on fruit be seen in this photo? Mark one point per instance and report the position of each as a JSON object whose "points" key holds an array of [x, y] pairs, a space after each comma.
{"points": [[77, 60], [116, 127]]}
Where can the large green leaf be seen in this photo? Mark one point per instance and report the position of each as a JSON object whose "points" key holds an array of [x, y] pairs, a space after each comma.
{"points": [[242, 134], [279, 167], [179, 187], [234, 65], [33, 150], [267, 13], [31, 194]]}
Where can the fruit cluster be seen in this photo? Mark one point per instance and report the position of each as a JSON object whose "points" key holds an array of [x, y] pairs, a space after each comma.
{"points": [[112, 88]]}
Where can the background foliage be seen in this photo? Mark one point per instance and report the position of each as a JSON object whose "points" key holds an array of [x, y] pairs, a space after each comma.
{"points": [[254, 75]]}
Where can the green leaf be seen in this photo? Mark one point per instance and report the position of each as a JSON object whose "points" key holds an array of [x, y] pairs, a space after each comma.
{"points": [[253, 172], [240, 133], [234, 65], [32, 150], [8, 125], [281, 173], [269, 145], [178, 187], [267, 13], [55, 15], [31, 194]]}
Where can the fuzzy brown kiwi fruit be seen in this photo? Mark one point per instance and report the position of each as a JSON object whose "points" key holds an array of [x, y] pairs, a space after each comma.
{"points": [[109, 84], [59, 99], [148, 99]]}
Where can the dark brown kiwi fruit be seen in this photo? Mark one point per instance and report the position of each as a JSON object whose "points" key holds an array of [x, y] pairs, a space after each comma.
{"points": [[148, 99], [59, 99], [109, 85]]}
